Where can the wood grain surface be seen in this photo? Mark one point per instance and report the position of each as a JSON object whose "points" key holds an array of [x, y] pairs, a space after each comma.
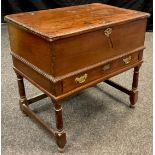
{"points": [[62, 22]]}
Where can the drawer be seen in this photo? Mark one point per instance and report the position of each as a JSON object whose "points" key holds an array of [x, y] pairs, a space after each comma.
{"points": [[87, 49], [100, 71]]}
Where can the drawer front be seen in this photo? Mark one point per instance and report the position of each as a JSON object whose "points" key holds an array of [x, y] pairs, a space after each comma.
{"points": [[99, 72], [87, 49]]}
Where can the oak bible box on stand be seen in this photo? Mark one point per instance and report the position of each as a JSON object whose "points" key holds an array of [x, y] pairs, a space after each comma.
{"points": [[63, 51]]}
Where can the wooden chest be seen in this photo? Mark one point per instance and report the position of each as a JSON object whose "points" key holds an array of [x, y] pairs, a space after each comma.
{"points": [[62, 51], [56, 47]]}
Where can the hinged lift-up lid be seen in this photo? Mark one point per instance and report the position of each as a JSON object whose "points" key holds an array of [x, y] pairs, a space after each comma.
{"points": [[63, 22]]}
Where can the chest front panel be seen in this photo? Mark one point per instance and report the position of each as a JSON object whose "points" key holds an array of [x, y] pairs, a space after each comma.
{"points": [[87, 49]]}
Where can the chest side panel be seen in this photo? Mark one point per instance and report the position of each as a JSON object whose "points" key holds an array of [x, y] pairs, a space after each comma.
{"points": [[30, 47], [84, 50]]}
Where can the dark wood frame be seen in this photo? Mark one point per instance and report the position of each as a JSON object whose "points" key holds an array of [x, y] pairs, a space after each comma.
{"points": [[58, 133]]}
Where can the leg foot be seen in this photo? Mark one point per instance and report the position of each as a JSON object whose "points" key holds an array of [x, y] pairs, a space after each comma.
{"points": [[132, 106], [60, 140], [61, 150], [133, 98], [60, 135], [134, 91]]}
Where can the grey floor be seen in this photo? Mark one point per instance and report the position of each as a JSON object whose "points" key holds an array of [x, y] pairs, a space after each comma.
{"points": [[97, 120]]}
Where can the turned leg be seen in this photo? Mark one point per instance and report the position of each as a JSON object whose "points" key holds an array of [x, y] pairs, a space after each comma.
{"points": [[60, 135], [21, 89], [134, 91]]}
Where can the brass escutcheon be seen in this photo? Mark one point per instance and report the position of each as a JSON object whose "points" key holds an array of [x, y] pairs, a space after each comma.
{"points": [[106, 67], [127, 60], [81, 79], [108, 31]]}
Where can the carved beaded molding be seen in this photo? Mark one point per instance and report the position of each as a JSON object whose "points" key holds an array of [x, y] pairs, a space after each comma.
{"points": [[51, 78]]}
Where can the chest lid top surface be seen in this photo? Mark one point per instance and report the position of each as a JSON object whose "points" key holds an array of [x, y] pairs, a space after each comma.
{"points": [[62, 22]]}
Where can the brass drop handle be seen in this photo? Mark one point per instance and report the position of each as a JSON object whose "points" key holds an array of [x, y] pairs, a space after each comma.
{"points": [[127, 60], [81, 79]]}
